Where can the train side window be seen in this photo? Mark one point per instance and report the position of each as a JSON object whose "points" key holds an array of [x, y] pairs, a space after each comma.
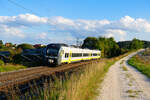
{"points": [[76, 54], [85, 54], [66, 55]]}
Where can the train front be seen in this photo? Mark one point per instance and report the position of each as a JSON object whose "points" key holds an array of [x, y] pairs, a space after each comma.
{"points": [[52, 54]]}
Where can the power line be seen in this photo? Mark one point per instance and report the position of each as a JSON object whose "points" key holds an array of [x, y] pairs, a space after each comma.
{"points": [[17, 4], [33, 12], [18, 23]]}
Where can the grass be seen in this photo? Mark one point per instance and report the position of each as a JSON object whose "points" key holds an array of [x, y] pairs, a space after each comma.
{"points": [[124, 68], [128, 75], [133, 93], [80, 85], [132, 96], [130, 84], [122, 62], [137, 62], [11, 67]]}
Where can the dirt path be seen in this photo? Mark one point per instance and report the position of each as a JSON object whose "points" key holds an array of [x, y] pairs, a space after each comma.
{"points": [[124, 82]]}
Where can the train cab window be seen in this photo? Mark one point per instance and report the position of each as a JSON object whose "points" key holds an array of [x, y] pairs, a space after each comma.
{"points": [[94, 54], [66, 55]]}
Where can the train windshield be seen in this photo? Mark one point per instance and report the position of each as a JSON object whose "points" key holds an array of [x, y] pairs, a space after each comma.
{"points": [[52, 51]]}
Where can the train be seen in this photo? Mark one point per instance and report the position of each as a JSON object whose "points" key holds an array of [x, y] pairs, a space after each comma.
{"points": [[58, 54]]}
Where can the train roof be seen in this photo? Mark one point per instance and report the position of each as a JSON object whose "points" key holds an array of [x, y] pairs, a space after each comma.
{"points": [[58, 45]]}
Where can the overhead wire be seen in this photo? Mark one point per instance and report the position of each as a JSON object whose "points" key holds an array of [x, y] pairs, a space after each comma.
{"points": [[25, 8]]}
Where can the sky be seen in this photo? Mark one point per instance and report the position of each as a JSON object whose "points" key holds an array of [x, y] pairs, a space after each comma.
{"points": [[65, 21]]}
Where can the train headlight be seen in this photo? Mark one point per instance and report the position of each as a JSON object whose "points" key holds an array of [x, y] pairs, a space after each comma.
{"points": [[51, 60]]}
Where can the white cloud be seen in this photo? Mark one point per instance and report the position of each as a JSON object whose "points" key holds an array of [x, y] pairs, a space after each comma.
{"points": [[25, 20], [135, 25], [6, 31], [118, 34], [77, 28], [42, 36]]}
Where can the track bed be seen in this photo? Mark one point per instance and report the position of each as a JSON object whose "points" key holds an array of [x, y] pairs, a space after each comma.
{"points": [[9, 79]]}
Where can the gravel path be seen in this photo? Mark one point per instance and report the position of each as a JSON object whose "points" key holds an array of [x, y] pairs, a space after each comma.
{"points": [[123, 82]]}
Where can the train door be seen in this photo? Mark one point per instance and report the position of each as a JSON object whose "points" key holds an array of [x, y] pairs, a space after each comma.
{"points": [[60, 56], [70, 55]]}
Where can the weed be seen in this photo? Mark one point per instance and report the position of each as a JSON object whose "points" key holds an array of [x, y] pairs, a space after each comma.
{"points": [[124, 68], [130, 91], [130, 84], [128, 75], [132, 96], [133, 93], [122, 62]]}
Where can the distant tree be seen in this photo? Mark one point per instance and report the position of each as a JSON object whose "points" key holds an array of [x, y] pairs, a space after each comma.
{"points": [[127, 44], [124, 44], [146, 44], [90, 43], [25, 46], [1, 43], [136, 44], [108, 46]]}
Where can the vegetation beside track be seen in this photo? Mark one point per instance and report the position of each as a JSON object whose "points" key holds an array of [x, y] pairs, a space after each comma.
{"points": [[82, 84], [10, 67], [141, 62]]}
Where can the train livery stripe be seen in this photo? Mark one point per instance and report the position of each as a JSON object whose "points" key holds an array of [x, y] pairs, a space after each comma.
{"points": [[72, 60]]}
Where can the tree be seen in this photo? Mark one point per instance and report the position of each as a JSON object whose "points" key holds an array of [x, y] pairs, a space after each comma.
{"points": [[108, 46], [90, 43], [25, 46], [136, 44], [1, 43]]}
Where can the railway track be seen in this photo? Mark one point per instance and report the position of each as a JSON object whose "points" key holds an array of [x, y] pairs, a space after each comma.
{"points": [[10, 79]]}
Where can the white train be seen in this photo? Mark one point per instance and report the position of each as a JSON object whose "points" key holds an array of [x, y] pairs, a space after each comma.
{"points": [[60, 53]]}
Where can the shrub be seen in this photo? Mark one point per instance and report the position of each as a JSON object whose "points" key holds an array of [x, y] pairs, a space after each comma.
{"points": [[1, 63], [17, 59], [25, 46]]}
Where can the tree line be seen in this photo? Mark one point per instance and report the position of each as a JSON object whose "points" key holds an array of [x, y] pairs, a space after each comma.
{"points": [[110, 48]]}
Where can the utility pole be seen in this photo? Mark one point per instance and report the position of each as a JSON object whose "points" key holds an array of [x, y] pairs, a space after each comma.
{"points": [[77, 42]]}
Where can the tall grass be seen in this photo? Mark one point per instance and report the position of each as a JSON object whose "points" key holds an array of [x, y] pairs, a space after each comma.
{"points": [[143, 66], [81, 84]]}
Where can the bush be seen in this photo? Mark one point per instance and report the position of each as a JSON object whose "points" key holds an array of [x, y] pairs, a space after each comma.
{"points": [[1, 63], [25, 46], [17, 59]]}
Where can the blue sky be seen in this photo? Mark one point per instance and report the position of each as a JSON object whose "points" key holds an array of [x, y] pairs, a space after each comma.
{"points": [[66, 20]]}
